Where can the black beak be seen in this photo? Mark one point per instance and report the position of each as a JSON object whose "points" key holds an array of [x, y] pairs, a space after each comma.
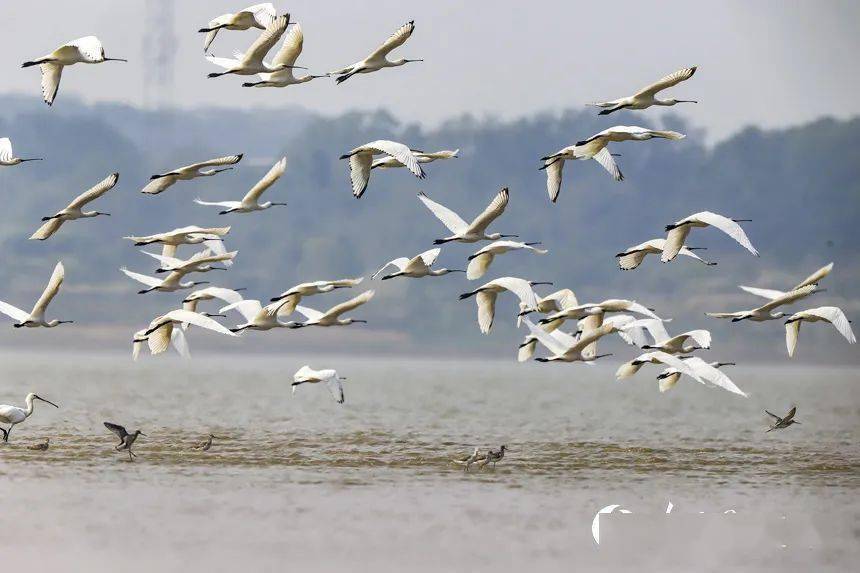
{"points": [[115, 60], [47, 401]]}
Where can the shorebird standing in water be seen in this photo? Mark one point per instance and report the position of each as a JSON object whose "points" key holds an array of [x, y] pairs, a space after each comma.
{"points": [[205, 446], [782, 423], [126, 440], [493, 457], [468, 460], [14, 415], [41, 447]]}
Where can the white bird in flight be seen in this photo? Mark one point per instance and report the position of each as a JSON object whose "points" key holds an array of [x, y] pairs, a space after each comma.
{"points": [[679, 230], [198, 263], [256, 16], [307, 375], [191, 235], [632, 257], [469, 232], [36, 317], [379, 58], [88, 50], [296, 293], [287, 55], [831, 314], [13, 415], [672, 344], [707, 371], [485, 295], [251, 201], [580, 311], [416, 267], [765, 311], [159, 334], [554, 165], [177, 340], [74, 210], [566, 348], [331, 317], [481, 260], [646, 97], [771, 294], [7, 157], [391, 162], [251, 62], [161, 181], [361, 161], [257, 316], [227, 295], [171, 283], [630, 368]]}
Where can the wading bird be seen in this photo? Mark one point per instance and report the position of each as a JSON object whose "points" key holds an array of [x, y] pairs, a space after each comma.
{"points": [[293, 296], [633, 257], [256, 16], [288, 54], [251, 201], [566, 348], [257, 316], [74, 210], [416, 267], [765, 311], [422, 157], [7, 157], [672, 344], [42, 446], [126, 440], [171, 283], [782, 423], [771, 294], [160, 182], [88, 50], [206, 445], [831, 314], [379, 58], [481, 260], [307, 375], [554, 165], [467, 461], [679, 230], [646, 97], [493, 456], [361, 161], [707, 372], [198, 263], [331, 317], [36, 317], [469, 232], [251, 62], [160, 332], [13, 415], [485, 295]]}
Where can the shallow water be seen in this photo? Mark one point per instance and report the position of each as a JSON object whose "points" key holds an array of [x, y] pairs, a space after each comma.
{"points": [[301, 480]]}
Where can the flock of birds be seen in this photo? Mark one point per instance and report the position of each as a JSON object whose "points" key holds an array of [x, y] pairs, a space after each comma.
{"points": [[635, 323]]}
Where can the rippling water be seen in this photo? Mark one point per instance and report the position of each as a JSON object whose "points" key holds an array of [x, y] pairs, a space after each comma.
{"points": [[302, 481]]}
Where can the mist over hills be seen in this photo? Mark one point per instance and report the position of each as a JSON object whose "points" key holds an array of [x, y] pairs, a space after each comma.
{"points": [[798, 185]]}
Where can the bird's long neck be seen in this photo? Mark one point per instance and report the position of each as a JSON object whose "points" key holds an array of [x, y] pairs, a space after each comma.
{"points": [[29, 409], [666, 102]]}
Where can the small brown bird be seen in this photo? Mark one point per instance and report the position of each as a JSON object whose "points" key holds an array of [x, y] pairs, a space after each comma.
{"points": [[204, 446], [782, 423], [41, 447]]}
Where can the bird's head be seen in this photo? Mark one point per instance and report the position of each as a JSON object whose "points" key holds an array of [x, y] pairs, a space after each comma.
{"points": [[31, 396]]}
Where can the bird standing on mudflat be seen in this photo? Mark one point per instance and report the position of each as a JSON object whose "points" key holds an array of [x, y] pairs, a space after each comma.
{"points": [[126, 440]]}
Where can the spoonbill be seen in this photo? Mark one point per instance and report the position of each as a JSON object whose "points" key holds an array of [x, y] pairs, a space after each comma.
{"points": [[831, 314], [580, 311], [74, 210], [331, 317], [469, 232], [765, 311], [160, 182], [7, 157], [771, 294], [564, 298], [171, 283], [251, 62], [227, 295], [307, 375], [391, 162], [13, 415], [633, 257], [126, 440], [782, 423], [177, 339], [379, 58], [679, 230], [566, 348], [486, 297], [628, 369], [287, 55], [87, 50], [256, 16], [708, 372], [36, 317], [646, 97], [257, 316], [251, 201], [416, 267], [160, 332], [554, 164], [672, 344], [481, 260], [198, 263], [296, 293], [191, 235], [361, 160]]}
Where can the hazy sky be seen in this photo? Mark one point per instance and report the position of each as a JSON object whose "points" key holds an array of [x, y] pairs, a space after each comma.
{"points": [[768, 63]]}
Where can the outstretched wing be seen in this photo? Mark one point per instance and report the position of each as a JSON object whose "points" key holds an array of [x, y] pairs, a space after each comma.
{"points": [[666, 82], [6, 149], [728, 227], [291, 48], [521, 288], [309, 313], [267, 181], [554, 171], [604, 158], [197, 319], [401, 153], [837, 318], [792, 330], [448, 217], [712, 375], [350, 304], [335, 387], [492, 212], [790, 414], [763, 292], [399, 262], [47, 229], [816, 276], [249, 308], [226, 160], [156, 186], [359, 172], [557, 341], [144, 279], [267, 39], [95, 192], [395, 40], [51, 74], [50, 291], [788, 298], [116, 429]]}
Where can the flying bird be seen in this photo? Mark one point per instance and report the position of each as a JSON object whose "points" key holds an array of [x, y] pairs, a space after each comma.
{"points": [[782, 423], [74, 210], [580, 311], [708, 372], [831, 314], [391, 162], [469, 232], [7, 157], [765, 311], [87, 50], [36, 317], [678, 231], [672, 344], [307, 375], [191, 235], [171, 283], [126, 440], [227, 295], [554, 164], [481, 260], [13, 415], [361, 160], [630, 368], [331, 317], [296, 293], [256, 16], [646, 97], [379, 58], [287, 55], [251, 201], [198, 263], [631, 258], [257, 316], [416, 267], [566, 348], [160, 332], [251, 62], [485, 295], [160, 182], [771, 294]]}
